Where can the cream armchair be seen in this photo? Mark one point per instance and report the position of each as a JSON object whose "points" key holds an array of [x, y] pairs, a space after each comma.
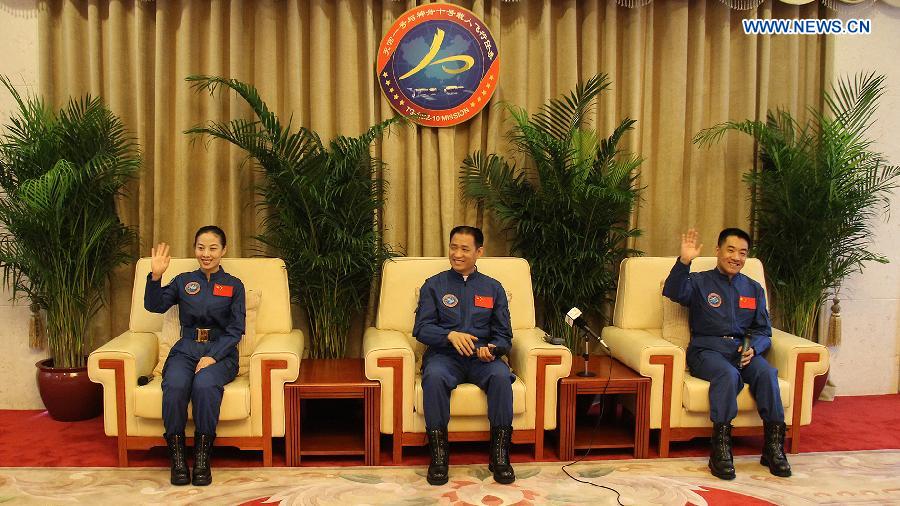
{"points": [[253, 404], [679, 403], [393, 357]]}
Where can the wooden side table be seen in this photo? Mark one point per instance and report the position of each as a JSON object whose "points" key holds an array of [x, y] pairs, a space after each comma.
{"points": [[612, 377], [332, 379]]}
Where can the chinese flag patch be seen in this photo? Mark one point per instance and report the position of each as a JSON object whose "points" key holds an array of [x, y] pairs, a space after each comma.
{"points": [[747, 302], [483, 301], [223, 290]]}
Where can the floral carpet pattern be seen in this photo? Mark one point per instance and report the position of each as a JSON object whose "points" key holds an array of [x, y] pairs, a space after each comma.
{"points": [[845, 478]]}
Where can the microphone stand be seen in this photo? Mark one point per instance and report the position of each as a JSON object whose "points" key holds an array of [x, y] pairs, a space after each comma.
{"points": [[586, 356]]}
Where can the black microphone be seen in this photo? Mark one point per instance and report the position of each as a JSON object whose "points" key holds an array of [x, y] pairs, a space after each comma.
{"points": [[498, 351], [143, 380], [744, 346], [575, 319]]}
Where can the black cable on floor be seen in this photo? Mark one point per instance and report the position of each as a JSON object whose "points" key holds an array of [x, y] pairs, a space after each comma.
{"points": [[591, 440]]}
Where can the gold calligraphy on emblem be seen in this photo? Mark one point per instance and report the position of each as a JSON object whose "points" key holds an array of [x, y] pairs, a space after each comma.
{"points": [[466, 60]]}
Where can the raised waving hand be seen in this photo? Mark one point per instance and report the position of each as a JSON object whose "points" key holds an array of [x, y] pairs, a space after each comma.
{"points": [[690, 246], [159, 260]]}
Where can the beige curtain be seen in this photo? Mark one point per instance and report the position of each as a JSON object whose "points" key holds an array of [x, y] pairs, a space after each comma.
{"points": [[676, 67]]}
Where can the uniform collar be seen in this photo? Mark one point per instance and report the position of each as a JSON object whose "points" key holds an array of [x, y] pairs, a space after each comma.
{"points": [[724, 277], [457, 276], [219, 274]]}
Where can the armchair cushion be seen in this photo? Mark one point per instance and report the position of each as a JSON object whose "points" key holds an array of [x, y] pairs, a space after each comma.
{"points": [[676, 326], [168, 336], [695, 395], [468, 400], [235, 400], [248, 341]]}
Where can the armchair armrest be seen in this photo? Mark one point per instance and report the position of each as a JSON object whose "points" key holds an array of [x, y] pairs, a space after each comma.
{"points": [[384, 352], [528, 356], [274, 362], [136, 353], [798, 361], [651, 356]]}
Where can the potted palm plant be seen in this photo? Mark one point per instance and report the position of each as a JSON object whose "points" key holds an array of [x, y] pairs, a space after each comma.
{"points": [[568, 213], [816, 192], [320, 203], [60, 235]]}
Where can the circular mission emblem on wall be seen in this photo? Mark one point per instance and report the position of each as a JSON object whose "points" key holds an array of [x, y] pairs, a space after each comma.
{"points": [[440, 62]]}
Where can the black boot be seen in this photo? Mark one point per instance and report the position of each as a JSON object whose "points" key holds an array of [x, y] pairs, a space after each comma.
{"points": [[202, 448], [179, 474], [773, 450], [439, 468], [499, 465], [721, 461]]}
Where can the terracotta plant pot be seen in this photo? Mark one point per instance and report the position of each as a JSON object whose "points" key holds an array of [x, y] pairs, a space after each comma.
{"points": [[68, 393]]}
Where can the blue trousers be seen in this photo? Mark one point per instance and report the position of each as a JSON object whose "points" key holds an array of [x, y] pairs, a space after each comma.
{"points": [[720, 368], [441, 373], [203, 390]]}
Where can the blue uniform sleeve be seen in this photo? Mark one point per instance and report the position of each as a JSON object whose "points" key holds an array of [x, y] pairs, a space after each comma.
{"points": [[761, 328], [158, 298], [426, 328], [235, 328], [501, 327], [678, 286]]}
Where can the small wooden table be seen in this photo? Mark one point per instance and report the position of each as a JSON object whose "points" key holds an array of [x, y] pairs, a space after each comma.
{"points": [[612, 377], [332, 379]]}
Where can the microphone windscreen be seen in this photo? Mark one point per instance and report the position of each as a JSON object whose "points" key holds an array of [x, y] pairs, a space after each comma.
{"points": [[572, 315]]}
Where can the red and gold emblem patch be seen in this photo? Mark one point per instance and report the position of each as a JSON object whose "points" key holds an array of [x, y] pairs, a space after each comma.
{"points": [[439, 64], [192, 288]]}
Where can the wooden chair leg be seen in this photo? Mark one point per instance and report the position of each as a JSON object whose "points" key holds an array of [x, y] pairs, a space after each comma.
{"points": [[118, 367], [667, 361], [123, 451], [267, 367], [539, 402], [396, 363]]}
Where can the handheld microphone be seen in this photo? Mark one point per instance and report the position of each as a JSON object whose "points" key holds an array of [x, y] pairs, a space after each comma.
{"points": [[575, 319], [744, 346], [143, 380]]}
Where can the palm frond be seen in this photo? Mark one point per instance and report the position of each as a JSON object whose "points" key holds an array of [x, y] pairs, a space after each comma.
{"points": [[319, 202], [60, 236], [568, 210], [818, 189]]}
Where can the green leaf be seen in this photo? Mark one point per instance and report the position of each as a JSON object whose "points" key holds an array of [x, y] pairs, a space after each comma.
{"points": [[568, 209], [319, 203], [816, 193], [60, 235]]}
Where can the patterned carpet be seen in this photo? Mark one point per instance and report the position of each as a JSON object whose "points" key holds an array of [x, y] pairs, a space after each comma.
{"points": [[864, 477]]}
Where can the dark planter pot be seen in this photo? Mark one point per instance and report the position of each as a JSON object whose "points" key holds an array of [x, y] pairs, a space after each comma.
{"points": [[68, 393]]}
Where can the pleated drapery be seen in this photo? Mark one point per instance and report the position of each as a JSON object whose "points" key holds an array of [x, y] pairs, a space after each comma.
{"points": [[676, 67]]}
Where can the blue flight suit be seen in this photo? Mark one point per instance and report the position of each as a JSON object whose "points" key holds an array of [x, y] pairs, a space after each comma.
{"points": [[478, 306], [218, 305], [722, 312]]}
